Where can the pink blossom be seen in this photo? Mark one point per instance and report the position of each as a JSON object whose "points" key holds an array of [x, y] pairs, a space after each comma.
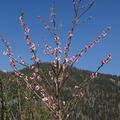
{"points": [[21, 60], [81, 94], [26, 78], [32, 78], [20, 18], [32, 67], [23, 24], [28, 38], [34, 74], [73, 59], [64, 103], [12, 62], [9, 51], [27, 30], [70, 34], [65, 64], [38, 77], [37, 59], [26, 98], [29, 85], [17, 74], [87, 46], [76, 87], [45, 99], [93, 75], [32, 46], [28, 43], [104, 34], [37, 87], [106, 60], [57, 58]]}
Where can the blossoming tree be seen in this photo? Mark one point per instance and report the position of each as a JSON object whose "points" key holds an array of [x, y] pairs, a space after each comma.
{"points": [[58, 71]]}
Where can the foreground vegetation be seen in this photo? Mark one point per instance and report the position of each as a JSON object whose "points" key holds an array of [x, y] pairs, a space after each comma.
{"points": [[100, 102]]}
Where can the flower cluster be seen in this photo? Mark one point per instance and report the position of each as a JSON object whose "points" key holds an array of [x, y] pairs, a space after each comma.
{"points": [[93, 75], [38, 87], [73, 58], [99, 38], [10, 55], [106, 60], [67, 47], [45, 97], [50, 51], [28, 38], [21, 60], [103, 34], [49, 101], [65, 64], [12, 62], [103, 62]]}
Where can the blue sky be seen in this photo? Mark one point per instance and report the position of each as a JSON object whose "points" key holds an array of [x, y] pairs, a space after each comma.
{"points": [[104, 13]]}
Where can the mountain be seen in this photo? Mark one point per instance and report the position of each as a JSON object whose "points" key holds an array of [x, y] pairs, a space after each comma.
{"points": [[101, 101]]}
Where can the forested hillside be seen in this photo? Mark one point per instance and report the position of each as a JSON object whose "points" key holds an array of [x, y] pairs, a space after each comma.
{"points": [[100, 102]]}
